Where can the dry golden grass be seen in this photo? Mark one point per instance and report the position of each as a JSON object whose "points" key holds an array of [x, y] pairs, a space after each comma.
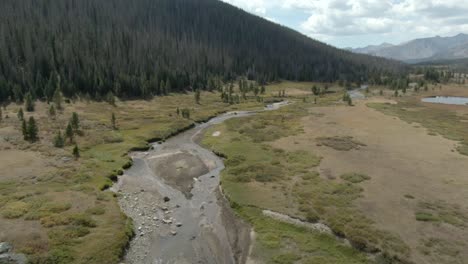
{"points": [[53, 203]]}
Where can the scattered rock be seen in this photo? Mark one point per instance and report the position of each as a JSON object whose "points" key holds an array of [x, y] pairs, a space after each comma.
{"points": [[178, 224], [167, 221], [166, 199], [212, 176], [173, 232], [5, 247], [165, 208]]}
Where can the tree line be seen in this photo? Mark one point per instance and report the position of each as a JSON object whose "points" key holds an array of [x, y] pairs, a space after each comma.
{"points": [[144, 48]]}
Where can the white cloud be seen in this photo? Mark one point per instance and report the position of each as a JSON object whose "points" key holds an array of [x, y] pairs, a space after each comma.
{"points": [[335, 20]]}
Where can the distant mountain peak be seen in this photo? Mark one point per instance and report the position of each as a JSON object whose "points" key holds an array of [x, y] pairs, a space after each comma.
{"points": [[421, 49]]}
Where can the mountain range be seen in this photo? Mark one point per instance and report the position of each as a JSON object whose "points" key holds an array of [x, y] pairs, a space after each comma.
{"points": [[420, 50]]}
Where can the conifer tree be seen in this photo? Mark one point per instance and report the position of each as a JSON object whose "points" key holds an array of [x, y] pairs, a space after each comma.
{"points": [[58, 99], [29, 105], [75, 122], [20, 114], [168, 87], [110, 98], [69, 133], [32, 130], [113, 122], [197, 96], [76, 152], [24, 129], [59, 141], [52, 112]]}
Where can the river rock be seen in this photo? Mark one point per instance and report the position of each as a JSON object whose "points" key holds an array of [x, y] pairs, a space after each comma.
{"points": [[166, 199], [13, 259], [178, 224], [173, 232], [5, 247], [167, 221]]}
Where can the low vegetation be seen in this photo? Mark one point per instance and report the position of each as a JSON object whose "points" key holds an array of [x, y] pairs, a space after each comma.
{"points": [[259, 176], [355, 177], [438, 121], [340, 143], [62, 213]]}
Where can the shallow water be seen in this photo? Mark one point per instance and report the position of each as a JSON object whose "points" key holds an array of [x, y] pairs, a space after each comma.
{"points": [[204, 232], [452, 100]]}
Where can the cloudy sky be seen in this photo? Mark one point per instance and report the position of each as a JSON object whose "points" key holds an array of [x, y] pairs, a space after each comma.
{"points": [[357, 23]]}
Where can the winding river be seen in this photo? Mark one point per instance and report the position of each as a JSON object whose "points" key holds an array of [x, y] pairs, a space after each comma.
{"points": [[172, 194]]}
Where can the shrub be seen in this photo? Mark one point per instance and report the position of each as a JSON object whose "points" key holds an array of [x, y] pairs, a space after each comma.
{"points": [[55, 220], [82, 220], [15, 210], [355, 177], [98, 210], [426, 217]]}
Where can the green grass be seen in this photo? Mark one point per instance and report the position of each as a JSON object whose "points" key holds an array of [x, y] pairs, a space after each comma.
{"points": [[440, 211], [278, 242], [426, 217]]}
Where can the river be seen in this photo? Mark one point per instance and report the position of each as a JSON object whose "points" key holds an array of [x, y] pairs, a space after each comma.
{"points": [[172, 194]]}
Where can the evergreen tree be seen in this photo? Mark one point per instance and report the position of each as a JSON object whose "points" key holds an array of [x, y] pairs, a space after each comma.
{"points": [[75, 122], [24, 129], [315, 90], [76, 152], [262, 90], [58, 99], [20, 114], [113, 122], [168, 87], [29, 105], [197, 96], [69, 133], [59, 141], [52, 112], [32, 130], [110, 98], [162, 87]]}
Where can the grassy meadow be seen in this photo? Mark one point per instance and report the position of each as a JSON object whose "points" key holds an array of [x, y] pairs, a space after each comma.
{"points": [[57, 208]]}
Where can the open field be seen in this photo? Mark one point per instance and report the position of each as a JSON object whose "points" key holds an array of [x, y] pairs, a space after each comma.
{"points": [[387, 174], [380, 181], [52, 206]]}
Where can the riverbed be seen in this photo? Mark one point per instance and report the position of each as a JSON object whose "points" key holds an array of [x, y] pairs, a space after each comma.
{"points": [[172, 194]]}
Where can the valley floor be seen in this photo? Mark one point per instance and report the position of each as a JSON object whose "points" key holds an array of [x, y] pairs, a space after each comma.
{"points": [[379, 173], [387, 176]]}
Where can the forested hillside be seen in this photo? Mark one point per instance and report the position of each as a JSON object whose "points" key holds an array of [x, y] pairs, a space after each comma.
{"points": [[150, 47]]}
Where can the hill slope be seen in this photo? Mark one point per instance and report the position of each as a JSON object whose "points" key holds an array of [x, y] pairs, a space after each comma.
{"points": [[134, 48], [424, 49]]}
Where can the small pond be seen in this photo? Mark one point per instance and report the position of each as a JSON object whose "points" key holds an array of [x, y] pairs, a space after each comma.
{"points": [[452, 100]]}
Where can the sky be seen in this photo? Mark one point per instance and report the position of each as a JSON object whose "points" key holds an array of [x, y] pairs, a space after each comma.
{"points": [[358, 23]]}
